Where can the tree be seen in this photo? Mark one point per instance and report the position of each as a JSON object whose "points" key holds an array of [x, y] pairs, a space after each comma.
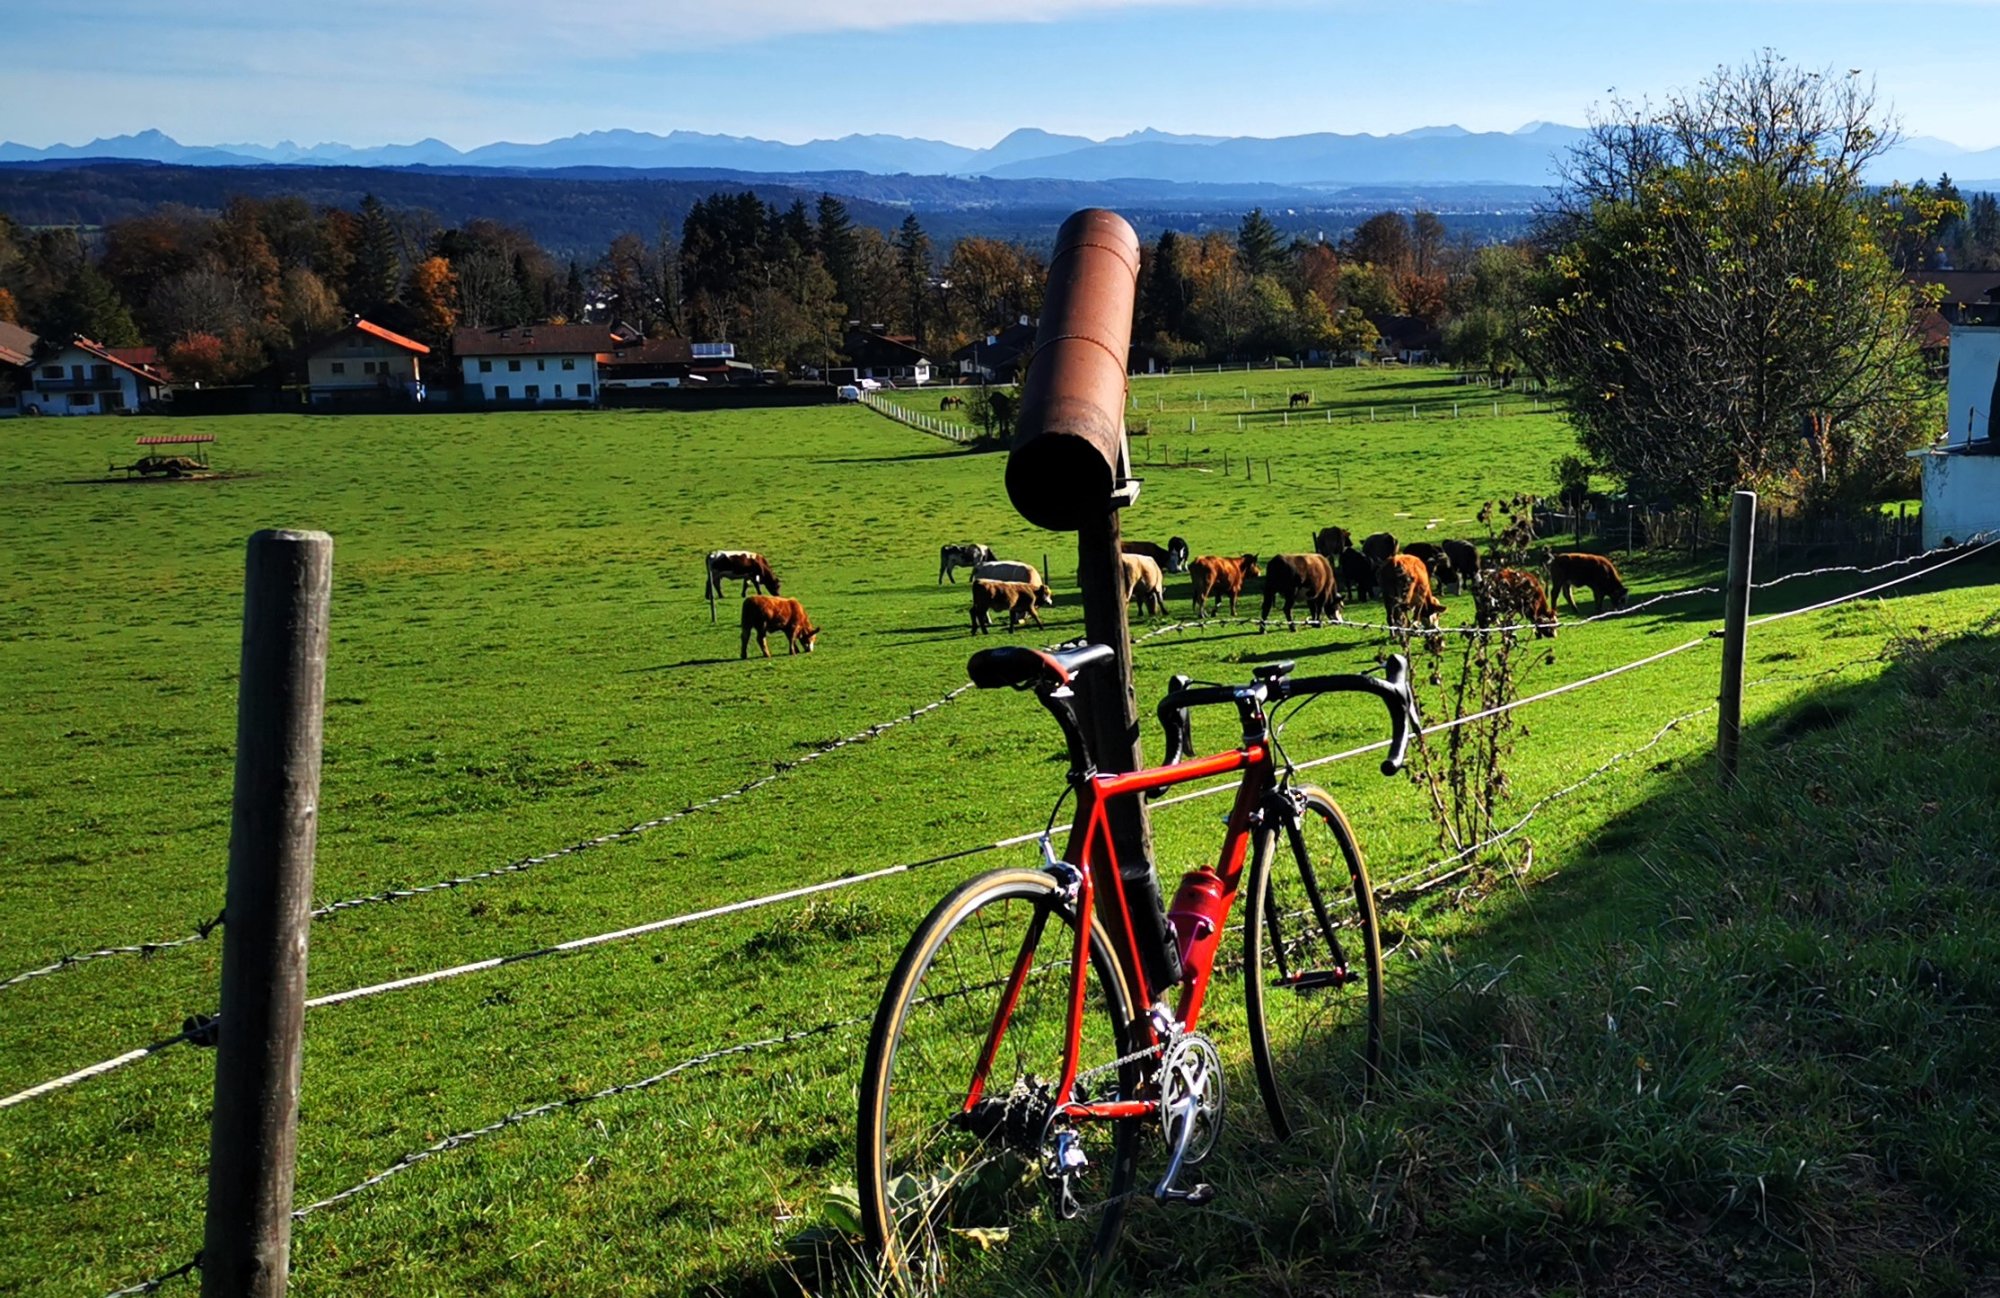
{"points": [[10, 310], [1718, 284], [1382, 241], [913, 265], [90, 306], [198, 358], [838, 246], [307, 309], [378, 257], [434, 297], [1257, 243]]}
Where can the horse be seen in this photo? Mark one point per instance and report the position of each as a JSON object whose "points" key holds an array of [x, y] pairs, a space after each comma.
{"points": [[1300, 399]]}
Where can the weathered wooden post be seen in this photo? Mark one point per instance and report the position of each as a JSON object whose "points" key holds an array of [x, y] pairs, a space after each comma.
{"points": [[253, 1135], [1735, 628], [1068, 470]]}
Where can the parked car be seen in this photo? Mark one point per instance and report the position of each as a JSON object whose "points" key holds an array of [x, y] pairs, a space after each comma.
{"points": [[847, 392]]}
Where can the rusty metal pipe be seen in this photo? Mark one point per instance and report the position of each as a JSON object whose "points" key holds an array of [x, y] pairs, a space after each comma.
{"points": [[1063, 464]]}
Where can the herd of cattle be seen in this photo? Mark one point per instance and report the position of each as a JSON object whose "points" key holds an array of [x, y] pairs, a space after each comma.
{"points": [[1407, 578]]}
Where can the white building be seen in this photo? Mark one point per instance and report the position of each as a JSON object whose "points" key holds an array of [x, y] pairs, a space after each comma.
{"points": [[532, 364], [1962, 476], [365, 363], [85, 378]]}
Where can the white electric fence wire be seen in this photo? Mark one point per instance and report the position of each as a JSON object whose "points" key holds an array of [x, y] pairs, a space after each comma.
{"points": [[1860, 594], [95, 1070], [781, 770]]}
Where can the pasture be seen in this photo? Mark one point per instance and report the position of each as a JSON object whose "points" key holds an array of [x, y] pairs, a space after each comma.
{"points": [[521, 660]]}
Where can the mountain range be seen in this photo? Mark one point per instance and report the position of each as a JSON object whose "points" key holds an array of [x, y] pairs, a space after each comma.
{"points": [[1430, 155]]}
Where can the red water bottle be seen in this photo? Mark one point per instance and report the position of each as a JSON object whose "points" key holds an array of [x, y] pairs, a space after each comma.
{"points": [[1196, 915]]}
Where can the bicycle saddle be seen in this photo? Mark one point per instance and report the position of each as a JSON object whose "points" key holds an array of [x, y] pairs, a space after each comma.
{"points": [[1021, 667]]}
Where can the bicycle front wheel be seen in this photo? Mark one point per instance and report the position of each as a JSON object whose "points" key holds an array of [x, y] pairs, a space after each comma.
{"points": [[955, 1161], [1312, 965]]}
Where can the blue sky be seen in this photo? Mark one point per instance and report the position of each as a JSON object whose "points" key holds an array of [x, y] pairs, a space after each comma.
{"points": [[473, 71]]}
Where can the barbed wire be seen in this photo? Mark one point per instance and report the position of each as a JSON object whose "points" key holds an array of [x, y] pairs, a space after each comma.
{"points": [[159, 1282], [1880, 567], [457, 1139], [781, 769], [70, 961]]}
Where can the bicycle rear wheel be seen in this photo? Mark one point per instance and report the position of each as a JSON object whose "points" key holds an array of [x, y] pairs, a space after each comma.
{"points": [[946, 1175], [1312, 965]]}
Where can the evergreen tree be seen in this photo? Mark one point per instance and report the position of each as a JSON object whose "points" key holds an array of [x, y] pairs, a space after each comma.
{"points": [[1257, 243], [838, 246], [90, 306], [378, 259], [913, 264]]}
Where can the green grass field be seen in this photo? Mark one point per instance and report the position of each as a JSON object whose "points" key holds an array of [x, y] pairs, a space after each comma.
{"points": [[521, 660]]}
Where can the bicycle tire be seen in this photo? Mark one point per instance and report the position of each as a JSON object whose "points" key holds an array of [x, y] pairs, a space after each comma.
{"points": [[1300, 1036], [923, 1183]]}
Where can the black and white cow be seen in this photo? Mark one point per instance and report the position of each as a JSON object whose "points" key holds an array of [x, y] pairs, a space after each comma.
{"points": [[969, 555]]}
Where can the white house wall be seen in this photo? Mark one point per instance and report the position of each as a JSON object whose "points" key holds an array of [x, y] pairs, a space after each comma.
{"points": [[59, 400], [1961, 494], [543, 372], [1975, 360]]}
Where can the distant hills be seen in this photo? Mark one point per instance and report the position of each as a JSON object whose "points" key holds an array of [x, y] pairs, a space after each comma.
{"points": [[1429, 155]]}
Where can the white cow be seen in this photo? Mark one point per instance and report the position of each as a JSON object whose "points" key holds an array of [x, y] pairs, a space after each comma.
{"points": [[1144, 583], [969, 555], [1009, 570]]}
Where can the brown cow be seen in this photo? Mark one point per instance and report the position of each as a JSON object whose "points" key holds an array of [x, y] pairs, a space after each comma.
{"points": [[1214, 575], [1294, 575], [1017, 598], [763, 614], [746, 566], [1407, 600], [1511, 595], [1591, 570]]}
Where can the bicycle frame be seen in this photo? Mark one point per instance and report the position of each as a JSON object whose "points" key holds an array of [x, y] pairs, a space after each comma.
{"points": [[1100, 889]]}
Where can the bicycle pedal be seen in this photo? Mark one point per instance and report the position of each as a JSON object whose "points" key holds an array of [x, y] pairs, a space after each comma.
{"points": [[1195, 1198]]}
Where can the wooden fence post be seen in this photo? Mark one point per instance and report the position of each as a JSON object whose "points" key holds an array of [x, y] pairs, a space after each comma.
{"points": [[281, 696], [1735, 629]]}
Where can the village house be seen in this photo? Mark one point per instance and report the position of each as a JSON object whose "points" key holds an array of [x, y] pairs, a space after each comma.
{"points": [[649, 363], [17, 352], [886, 358], [82, 377], [536, 364], [1962, 473], [997, 357], [365, 363]]}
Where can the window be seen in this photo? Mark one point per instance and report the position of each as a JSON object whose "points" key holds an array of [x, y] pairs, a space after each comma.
{"points": [[583, 390], [114, 401], [559, 391], [541, 364], [500, 393], [513, 367], [534, 392], [569, 362], [100, 373], [486, 367], [52, 371], [76, 372], [340, 367], [82, 399], [368, 367]]}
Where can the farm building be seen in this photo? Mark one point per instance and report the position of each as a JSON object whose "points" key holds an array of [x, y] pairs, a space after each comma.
{"points": [[533, 364], [648, 363], [364, 362], [1962, 474], [82, 377], [887, 358], [996, 358], [17, 350]]}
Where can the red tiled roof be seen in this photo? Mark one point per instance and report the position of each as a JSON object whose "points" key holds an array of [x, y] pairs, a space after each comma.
{"points": [[656, 351], [393, 339], [151, 375], [16, 344], [533, 340]]}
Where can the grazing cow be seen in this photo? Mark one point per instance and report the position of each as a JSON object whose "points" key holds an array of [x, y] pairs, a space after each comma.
{"points": [[1144, 583], [1172, 557], [1378, 548], [1300, 399], [1435, 558], [1591, 570], [1292, 576], [1407, 600], [969, 555], [763, 614], [1016, 598], [1513, 595], [1013, 570], [1332, 541], [1464, 556], [1356, 574], [1214, 576], [746, 566]]}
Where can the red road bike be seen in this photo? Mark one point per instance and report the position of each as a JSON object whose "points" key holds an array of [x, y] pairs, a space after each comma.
{"points": [[1025, 1041]]}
